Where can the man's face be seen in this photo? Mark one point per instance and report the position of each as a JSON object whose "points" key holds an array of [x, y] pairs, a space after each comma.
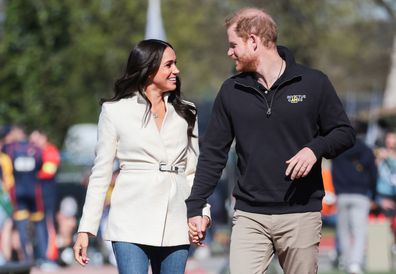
{"points": [[241, 52], [38, 139]]}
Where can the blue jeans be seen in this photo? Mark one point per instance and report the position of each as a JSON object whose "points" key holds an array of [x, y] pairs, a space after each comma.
{"points": [[134, 258]]}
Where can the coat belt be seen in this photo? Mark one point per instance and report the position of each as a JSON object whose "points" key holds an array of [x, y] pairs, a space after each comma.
{"points": [[163, 167]]}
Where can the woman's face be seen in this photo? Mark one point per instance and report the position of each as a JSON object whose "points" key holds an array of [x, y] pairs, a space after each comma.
{"points": [[165, 77]]}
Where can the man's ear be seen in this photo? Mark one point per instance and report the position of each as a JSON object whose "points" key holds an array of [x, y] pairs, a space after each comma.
{"points": [[253, 41]]}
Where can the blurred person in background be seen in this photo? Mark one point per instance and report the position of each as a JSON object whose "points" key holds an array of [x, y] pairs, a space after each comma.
{"points": [[47, 176], [27, 194], [386, 185], [284, 117], [153, 132], [355, 178], [329, 208], [66, 221], [6, 209]]}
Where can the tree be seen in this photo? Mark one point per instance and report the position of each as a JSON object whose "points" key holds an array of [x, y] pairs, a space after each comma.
{"points": [[343, 38], [390, 91], [58, 58]]}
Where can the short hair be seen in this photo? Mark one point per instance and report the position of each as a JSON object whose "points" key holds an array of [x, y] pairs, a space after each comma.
{"points": [[253, 21], [4, 130]]}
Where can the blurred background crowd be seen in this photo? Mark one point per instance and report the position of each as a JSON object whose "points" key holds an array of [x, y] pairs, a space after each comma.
{"points": [[58, 58]]}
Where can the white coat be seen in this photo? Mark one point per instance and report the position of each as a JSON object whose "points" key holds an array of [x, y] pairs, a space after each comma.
{"points": [[147, 205]]}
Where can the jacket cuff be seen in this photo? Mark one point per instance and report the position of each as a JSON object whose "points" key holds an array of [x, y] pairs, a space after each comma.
{"points": [[318, 147], [206, 211], [85, 228], [196, 208]]}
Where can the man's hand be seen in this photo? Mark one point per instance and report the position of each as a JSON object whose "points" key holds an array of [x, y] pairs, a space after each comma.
{"points": [[197, 229], [300, 164]]}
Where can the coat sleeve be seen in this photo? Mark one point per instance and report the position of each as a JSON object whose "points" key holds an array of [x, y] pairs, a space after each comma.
{"points": [[373, 174], [335, 131], [51, 162], [192, 156], [101, 175]]}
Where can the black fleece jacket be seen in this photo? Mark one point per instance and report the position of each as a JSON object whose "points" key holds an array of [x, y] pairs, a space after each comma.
{"points": [[300, 110]]}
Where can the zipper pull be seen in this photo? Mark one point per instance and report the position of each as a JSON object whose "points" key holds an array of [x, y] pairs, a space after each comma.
{"points": [[268, 112]]}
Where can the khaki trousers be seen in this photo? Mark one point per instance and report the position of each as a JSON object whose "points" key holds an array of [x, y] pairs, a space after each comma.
{"points": [[293, 237]]}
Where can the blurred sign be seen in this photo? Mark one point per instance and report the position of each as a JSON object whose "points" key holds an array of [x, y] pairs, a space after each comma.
{"points": [[79, 145]]}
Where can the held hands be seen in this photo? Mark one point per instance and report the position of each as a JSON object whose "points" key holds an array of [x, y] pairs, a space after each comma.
{"points": [[80, 248], [300, 164], [197, 229]]}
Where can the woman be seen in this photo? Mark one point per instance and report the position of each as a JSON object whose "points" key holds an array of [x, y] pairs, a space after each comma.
{"points": [[153, 134]]}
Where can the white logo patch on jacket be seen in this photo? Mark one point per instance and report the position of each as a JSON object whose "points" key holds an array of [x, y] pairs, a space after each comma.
{"points": [[294, 99]]}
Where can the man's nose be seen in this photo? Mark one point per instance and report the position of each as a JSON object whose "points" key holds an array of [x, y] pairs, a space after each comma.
{"points": [[230, 52]]}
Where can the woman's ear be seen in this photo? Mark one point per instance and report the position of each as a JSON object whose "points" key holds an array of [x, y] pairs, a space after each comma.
{"points": [[150, 79]]}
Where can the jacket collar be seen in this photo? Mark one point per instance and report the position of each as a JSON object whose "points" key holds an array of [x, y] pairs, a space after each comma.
{"points": [[291, 72], [140, 99], [292, 68]]}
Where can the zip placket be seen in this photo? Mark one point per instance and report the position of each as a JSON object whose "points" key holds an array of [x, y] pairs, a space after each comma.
{"points": [[269, 105]]}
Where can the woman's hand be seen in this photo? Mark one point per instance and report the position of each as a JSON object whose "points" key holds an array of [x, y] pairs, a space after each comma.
{"points": [[80, 248], [197, 229]]}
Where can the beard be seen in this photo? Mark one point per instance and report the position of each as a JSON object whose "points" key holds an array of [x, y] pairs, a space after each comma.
{"points": [[246, 64]]}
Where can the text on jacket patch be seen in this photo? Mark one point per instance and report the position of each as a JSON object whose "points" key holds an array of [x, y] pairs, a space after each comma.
{"points": [[294, 99]]}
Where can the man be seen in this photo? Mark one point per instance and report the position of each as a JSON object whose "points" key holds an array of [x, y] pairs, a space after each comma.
{"points": [[355, 179], [47, 177], [26, 194], [284, 118]]}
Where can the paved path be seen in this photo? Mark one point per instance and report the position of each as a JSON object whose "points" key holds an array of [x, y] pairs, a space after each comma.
{"points": [[211, 265], [207, 266]]}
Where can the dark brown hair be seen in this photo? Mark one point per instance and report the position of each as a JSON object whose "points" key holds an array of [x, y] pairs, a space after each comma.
{"points": [[144, 61]]}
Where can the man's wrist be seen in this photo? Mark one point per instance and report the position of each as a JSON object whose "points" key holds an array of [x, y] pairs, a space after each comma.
{"points": [[192, 212]]}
